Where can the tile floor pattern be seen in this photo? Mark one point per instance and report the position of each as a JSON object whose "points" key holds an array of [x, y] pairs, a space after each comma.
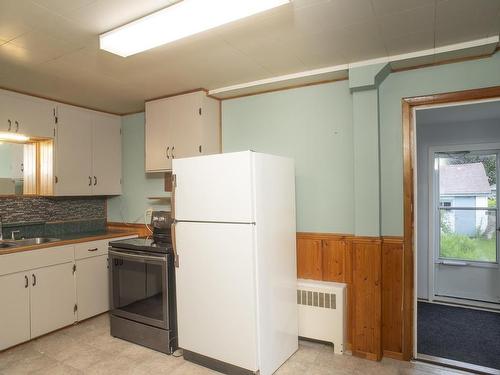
{"points": [[88, 348]]}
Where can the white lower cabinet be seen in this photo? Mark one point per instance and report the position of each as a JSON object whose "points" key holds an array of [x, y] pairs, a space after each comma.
{"points": [[42, 290], [52, 298], [14, 310], [92, 285]]}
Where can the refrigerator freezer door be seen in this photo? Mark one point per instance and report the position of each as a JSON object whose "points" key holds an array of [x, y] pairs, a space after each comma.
{"points": [[216, 295], [214, 188]]}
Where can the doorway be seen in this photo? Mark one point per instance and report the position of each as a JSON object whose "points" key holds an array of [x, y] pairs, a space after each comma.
{"points": [[457, 157]]}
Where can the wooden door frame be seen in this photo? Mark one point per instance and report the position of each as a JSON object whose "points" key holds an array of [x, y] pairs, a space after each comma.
{"points": [[409, 104]]}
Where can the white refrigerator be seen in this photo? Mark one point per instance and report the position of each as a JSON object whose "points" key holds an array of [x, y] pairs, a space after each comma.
{"points": [[236, 279]]}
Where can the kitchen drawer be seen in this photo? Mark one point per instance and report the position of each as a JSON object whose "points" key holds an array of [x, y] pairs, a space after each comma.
{"points": [[94, 248], [28, 260], [91, 249]]}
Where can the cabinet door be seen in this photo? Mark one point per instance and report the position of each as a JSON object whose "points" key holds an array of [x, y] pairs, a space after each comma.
{"points": [[158, 141], [5, 112], [73, 153], [92, 286], [106, 155], [33, 116], [52, 298], [15, 310], [186, 124]]}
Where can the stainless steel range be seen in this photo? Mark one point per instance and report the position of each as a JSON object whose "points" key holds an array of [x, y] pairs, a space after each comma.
{"points": [[142, 285]]}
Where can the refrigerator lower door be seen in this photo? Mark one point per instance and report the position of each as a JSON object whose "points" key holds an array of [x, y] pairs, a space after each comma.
{"points": [[216, 292], [216, 188]]}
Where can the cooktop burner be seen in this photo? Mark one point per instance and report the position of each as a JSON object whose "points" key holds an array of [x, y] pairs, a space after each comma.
{"points": [[146, 244]]}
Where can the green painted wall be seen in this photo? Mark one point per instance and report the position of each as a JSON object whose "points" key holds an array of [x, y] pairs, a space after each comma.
{"points": [[444, 78], [366, 163], [137, 185], [312, 125]]}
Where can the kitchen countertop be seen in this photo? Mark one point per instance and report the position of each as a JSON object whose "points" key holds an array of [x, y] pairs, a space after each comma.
{"points": [[73, 238]]}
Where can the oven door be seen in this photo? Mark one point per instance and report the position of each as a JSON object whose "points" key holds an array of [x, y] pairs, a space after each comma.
{"points": [[139, 287]]}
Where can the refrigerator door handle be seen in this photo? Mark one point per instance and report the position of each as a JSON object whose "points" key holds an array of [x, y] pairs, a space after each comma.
{"points": [[172, 197], [174, 245]]}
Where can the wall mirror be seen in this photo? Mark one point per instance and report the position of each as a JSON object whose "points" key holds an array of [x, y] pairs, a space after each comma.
{"points": [[18, 171]]}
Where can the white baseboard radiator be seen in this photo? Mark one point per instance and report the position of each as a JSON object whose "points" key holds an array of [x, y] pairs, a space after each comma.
{"points": [[322, 312]]}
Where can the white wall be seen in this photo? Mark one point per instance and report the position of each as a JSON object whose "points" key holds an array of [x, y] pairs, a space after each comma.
{"points": [[456, 133]]}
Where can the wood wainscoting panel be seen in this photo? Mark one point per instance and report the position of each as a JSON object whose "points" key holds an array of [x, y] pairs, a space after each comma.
{"points": [[334, 255], [367, 314], [309, 259], [392, 297]]}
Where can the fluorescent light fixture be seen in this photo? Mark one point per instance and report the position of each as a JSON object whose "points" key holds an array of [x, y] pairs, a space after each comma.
{"points": [[185, 18], [14, 137]]}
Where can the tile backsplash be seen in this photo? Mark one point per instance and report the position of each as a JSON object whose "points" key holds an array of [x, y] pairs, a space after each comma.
{"points": [[25, 209]]}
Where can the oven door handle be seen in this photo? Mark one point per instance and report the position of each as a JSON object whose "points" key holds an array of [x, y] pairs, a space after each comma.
{"points": [[133, 256]]}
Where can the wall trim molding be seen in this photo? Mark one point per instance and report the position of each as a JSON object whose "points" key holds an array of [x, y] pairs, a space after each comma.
{"points": [[393, 355], [351, 237]]}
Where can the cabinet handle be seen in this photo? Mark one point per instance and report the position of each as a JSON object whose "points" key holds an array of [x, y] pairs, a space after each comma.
{"points": [[90, 181], [95, 180], [27, 282], [34, 279], [168, 148], [17, 126], [10, 125], [94, 249], [173, 148]]}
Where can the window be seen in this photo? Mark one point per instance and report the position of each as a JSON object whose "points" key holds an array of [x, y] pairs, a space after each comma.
{"points": [[467, 206]]}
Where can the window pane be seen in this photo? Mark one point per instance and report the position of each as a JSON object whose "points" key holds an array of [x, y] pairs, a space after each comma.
{"points": [[468, 235], [467, 180]]}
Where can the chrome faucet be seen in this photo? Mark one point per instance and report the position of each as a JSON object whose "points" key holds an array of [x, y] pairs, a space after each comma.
{"points": [[1, 228], [13, 234]]}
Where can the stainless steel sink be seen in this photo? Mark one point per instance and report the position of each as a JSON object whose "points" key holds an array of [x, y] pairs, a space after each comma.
{"points": [[7, 244], [34, 241]]}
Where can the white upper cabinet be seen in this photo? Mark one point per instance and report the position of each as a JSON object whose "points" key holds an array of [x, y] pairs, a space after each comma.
{"points": [[87, 153], [106, 154], [157, 135], [73, 152], [26, 115], [180, 126]]}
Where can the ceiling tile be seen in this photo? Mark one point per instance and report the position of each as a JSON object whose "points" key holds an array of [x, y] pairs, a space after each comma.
{"points": [[315, 51], [62, 7], [462, 20], [333, 14], [12, 18], [40, 42], [386, 7], [410, 42], [103, 15], [12, 54], [359, 42], [415, 20]]}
